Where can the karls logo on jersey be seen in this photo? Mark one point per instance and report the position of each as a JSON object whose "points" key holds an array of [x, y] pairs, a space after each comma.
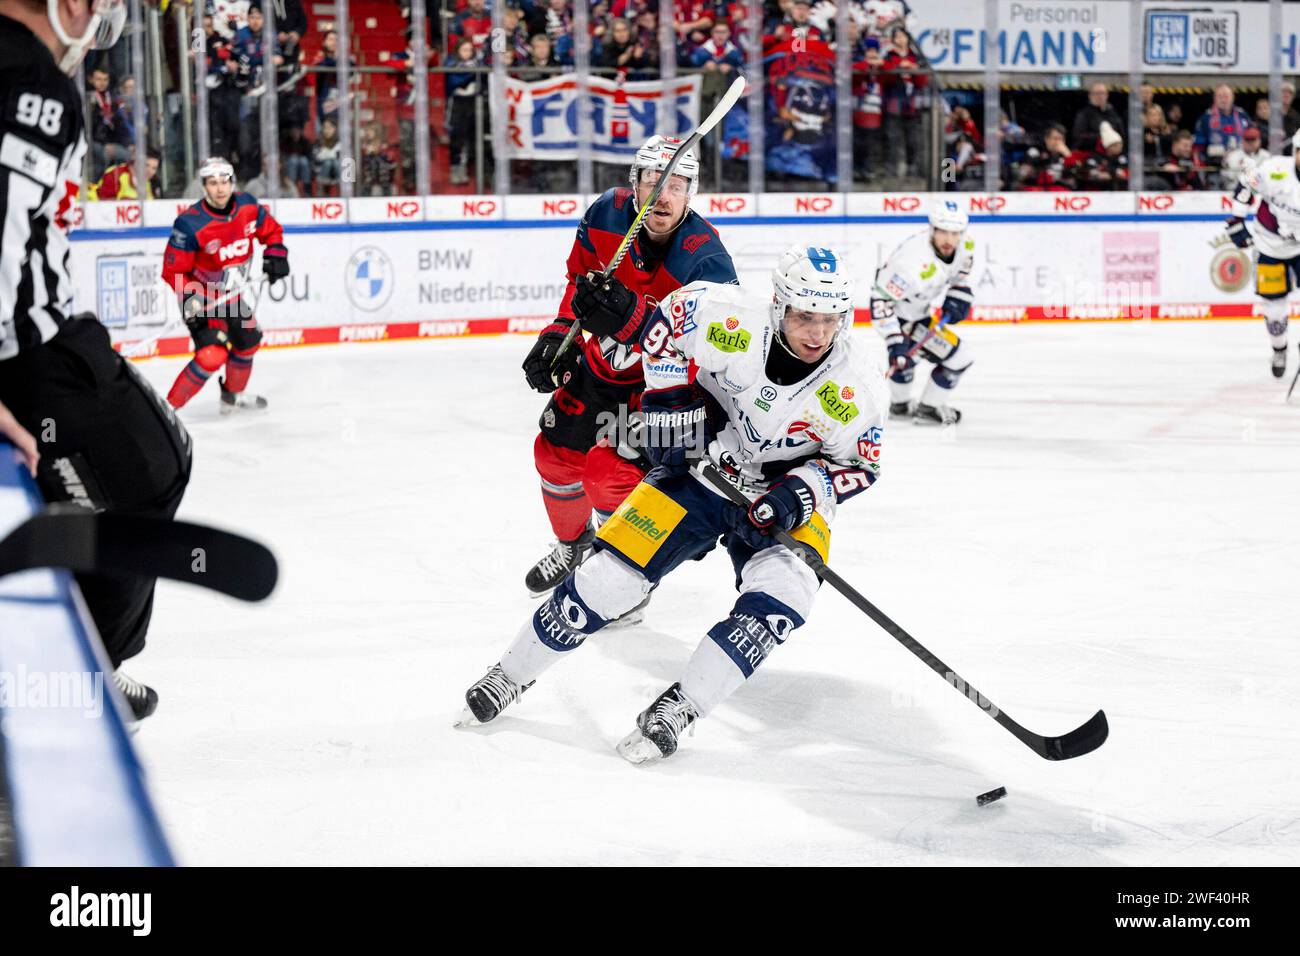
{"points": [[235, 250], [724, 341], [368, 279], [836, 407], [928, 270]]}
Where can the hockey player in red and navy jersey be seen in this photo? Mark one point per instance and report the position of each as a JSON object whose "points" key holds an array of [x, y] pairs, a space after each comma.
{"points": [[589, 384], [209, 251]]}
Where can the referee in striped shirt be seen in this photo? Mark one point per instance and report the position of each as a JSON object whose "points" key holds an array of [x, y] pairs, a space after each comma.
{"points": [[91, 430]]}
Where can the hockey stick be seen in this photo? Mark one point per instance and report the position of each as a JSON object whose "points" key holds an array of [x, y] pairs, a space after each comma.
{"points": [[83, 541], [138, 348], [1076, 743], [729, 99], [1292, 388]]}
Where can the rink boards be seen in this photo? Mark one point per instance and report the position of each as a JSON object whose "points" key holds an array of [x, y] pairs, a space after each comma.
{"points": [[447, 266]]}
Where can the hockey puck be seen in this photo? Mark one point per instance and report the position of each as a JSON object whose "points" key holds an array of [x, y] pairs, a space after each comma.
{"points": [[995, 794]]}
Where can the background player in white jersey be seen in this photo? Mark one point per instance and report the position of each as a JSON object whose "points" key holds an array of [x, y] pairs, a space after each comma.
{"points": [[923, 268], [1273, 188], [790, 411]]}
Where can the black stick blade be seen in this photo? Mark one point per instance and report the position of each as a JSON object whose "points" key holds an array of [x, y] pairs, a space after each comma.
{"points": [[104, 543], [1082, 740]]}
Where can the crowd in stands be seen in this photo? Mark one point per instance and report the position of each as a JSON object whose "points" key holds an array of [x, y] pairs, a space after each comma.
{"points": [[1205, 151], [893, 90]]}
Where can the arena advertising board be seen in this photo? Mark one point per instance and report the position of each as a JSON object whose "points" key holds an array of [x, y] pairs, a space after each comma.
{"points": [[1055, 36], [367, 273]]}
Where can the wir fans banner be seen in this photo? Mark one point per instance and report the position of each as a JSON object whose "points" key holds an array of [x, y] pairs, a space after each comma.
{"points": [[542, 117]]}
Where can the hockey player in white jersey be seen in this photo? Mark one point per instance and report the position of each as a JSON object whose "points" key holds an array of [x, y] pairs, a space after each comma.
{"points": [[925, 267], [790, 410], [1273, 188]]}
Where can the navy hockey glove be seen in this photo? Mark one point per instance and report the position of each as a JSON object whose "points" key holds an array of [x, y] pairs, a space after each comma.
{"points": [[787, 505], [1237, 232], [898, 347], [673, 433], [955, 309], [608, 308], [542, 375], [275, 262]]}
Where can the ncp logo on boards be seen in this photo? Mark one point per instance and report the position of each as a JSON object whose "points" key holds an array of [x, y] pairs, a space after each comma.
{"points": [[369, 279]]}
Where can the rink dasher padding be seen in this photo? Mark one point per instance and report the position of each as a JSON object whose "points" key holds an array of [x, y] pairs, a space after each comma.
{"points": [[452, 266], [465, 328]]}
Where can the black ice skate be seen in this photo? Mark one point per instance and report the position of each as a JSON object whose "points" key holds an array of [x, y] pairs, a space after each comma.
{"points": [[490, 694], [659, 727], [230, 401], [142, 699], [900, 409], [1279, 362], [936, 415], [547, 573]]}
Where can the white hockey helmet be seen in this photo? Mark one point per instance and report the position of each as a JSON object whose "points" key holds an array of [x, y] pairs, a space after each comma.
{"points": [[949, 216], [657, 152], [107, 18], [217, 167], [812, 279]]}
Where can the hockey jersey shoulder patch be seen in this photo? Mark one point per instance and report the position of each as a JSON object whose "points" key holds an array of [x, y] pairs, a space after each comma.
{"points": [[29, 159]]}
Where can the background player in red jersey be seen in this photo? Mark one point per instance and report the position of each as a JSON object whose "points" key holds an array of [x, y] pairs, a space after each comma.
{"points": [[207, 257], [600, 375]]}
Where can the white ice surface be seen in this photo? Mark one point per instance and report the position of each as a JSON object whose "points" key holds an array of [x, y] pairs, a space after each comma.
{"points": [[1114, 525]]}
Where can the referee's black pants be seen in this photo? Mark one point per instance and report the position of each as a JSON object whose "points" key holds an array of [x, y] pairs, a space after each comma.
{"points": [[108, 441]]}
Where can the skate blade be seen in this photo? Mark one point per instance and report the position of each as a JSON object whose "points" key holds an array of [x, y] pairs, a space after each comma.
{"points": [[637, 748], [630, 619], [467, 719]]}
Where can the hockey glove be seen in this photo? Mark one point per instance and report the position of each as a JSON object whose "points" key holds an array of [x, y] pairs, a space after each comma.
{"points": [[955, 309], [608, 308], [898, 357], [275, 262], [544, 374], [1238, 234], [673, 434], [786, 505]]}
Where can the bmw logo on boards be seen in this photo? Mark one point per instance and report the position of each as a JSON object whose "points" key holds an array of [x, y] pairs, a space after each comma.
{"points": [[369, 279]]}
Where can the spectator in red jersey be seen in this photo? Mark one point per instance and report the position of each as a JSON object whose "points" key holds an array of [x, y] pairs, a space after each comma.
{"points": [[903, 89], [692, 19], [868, 111], [473, 23]]}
